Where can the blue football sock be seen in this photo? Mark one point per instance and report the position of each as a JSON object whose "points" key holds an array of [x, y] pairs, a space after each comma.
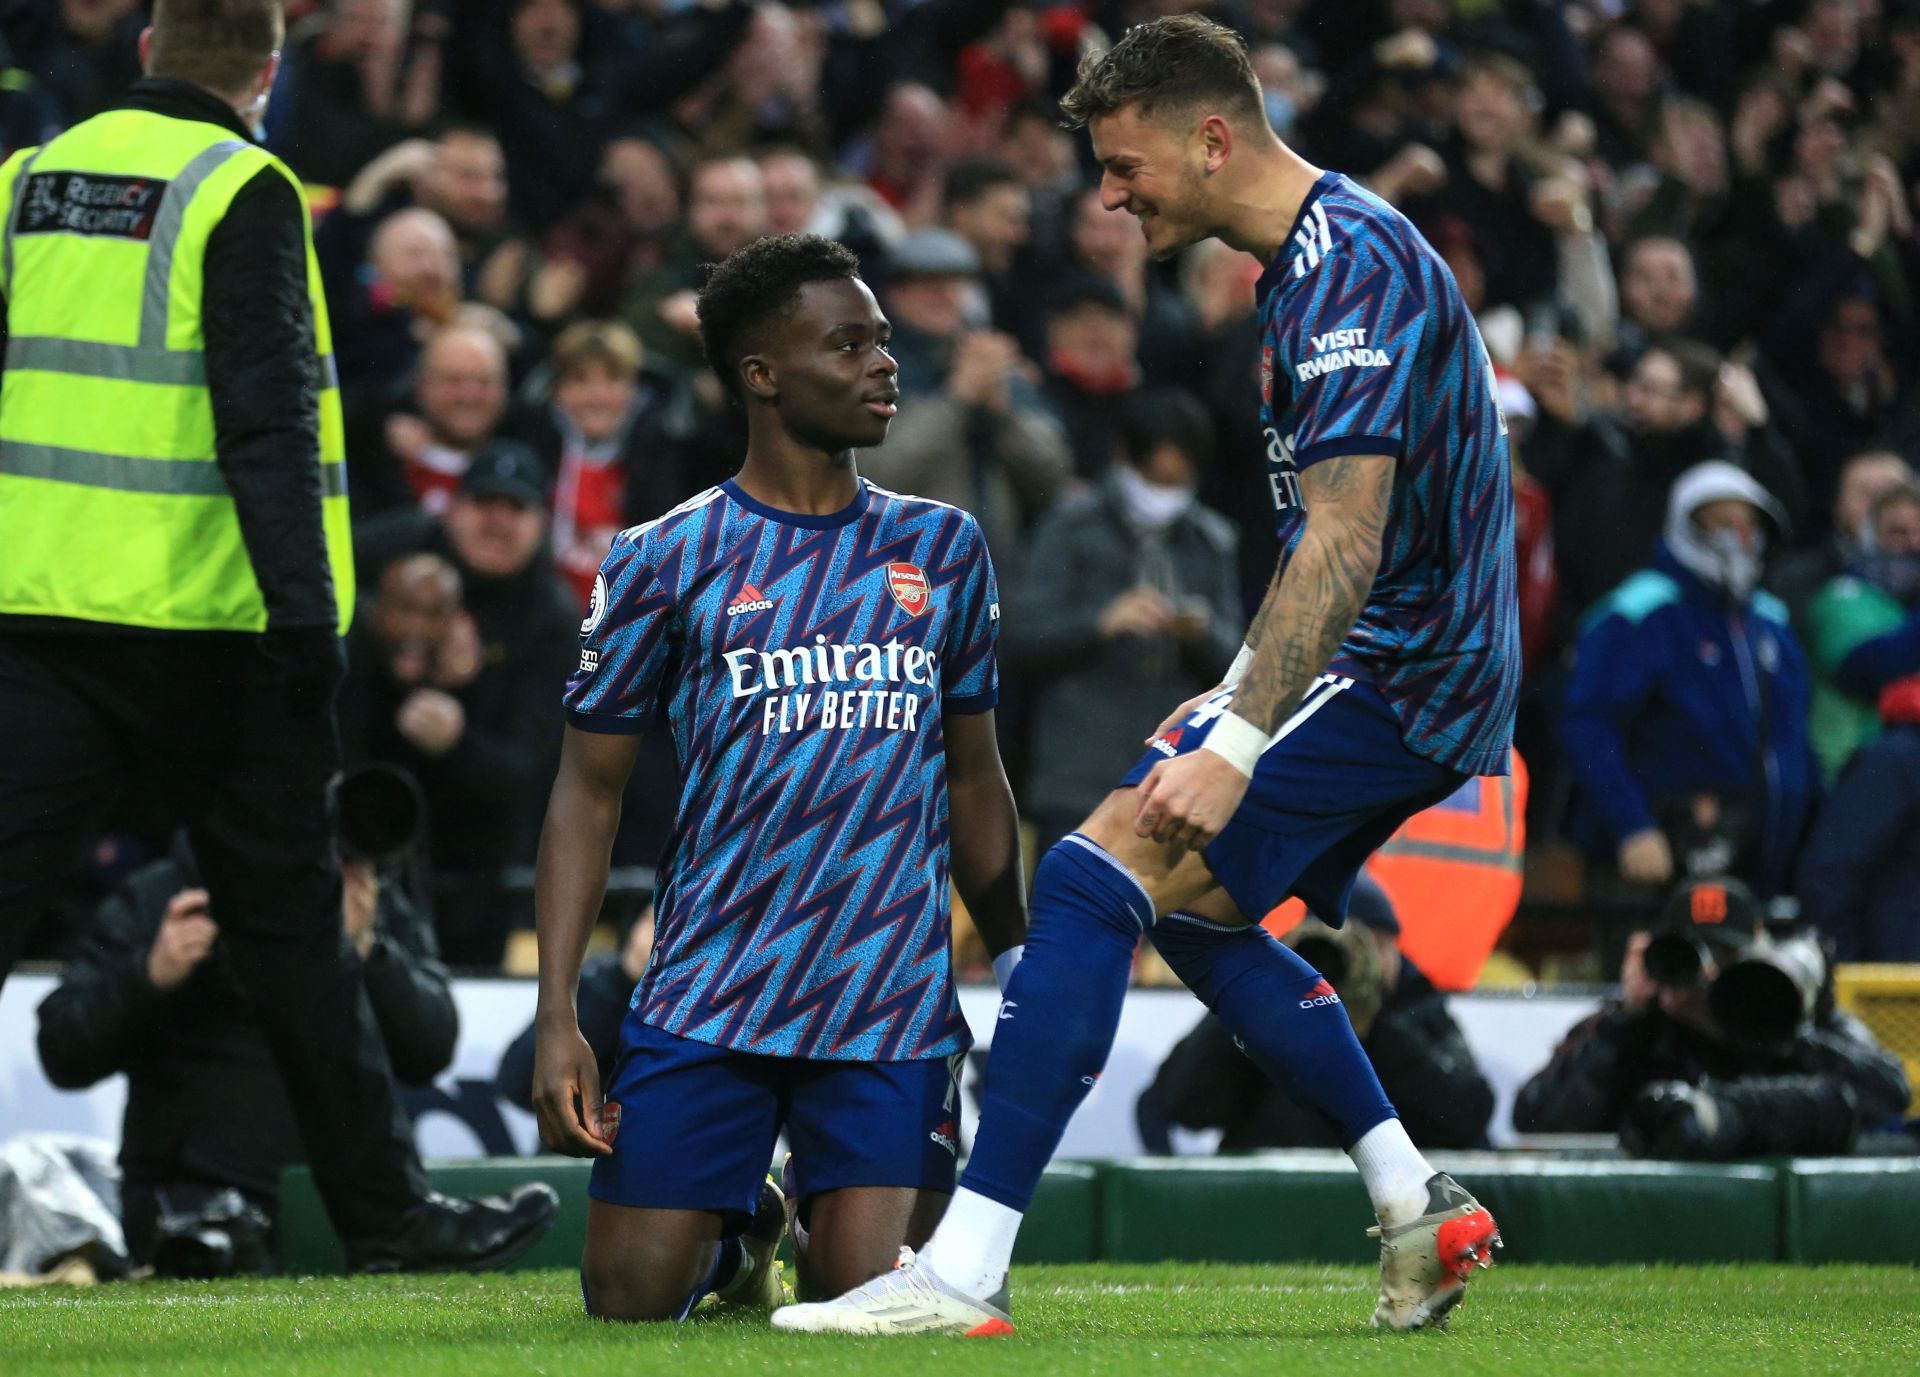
{"points": [[1273, 1004], [1058, 1016], [726, 1265]]}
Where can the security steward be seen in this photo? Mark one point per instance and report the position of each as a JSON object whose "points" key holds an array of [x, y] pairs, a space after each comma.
{"points": [[175, 574]]}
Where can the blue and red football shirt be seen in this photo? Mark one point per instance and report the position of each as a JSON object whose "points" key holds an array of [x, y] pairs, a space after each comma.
{"points": [[803, 665], [1367, 348]]}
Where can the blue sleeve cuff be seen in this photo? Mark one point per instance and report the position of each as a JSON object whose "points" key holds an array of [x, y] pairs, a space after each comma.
{"points": [[972, 703], [1348, 444], [606, 723]]}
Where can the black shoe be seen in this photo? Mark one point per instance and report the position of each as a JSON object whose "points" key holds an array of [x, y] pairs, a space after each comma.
{"points": [[442, 1234]]}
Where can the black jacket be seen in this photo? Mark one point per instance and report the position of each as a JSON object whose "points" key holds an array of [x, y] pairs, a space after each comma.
{"points": [[1416, 1048], [1836, 1080], [262, 375], [205, 1102]]}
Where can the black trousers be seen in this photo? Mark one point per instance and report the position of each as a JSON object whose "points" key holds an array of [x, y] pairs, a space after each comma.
{"points": [[205, 722]]}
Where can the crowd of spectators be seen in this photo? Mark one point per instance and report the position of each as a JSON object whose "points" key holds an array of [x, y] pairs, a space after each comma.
{"points": [[1686, 228]]}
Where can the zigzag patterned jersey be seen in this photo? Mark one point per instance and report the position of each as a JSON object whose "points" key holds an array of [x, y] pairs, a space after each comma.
{"points": [[1367, 348], [803, 665]]}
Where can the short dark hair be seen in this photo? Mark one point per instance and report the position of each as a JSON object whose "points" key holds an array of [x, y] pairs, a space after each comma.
{"points": [[1166, 416], [217, 45], [1699, 364], [757, 283], [1178, 63], [972, 178]]}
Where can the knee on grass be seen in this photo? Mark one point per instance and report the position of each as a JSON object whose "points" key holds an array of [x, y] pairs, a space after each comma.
{"points": [[642, 1295]]}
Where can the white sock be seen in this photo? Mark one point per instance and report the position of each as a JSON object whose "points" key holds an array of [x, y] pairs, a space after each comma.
{"points": [[1395, 1172], [973, 1246]]}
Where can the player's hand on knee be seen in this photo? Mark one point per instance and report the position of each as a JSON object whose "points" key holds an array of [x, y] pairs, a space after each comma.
{"points": [[566, 1093], [1186, 802]]}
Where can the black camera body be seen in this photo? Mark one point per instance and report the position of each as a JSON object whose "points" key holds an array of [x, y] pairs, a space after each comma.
{"points": [[1765, 985]]}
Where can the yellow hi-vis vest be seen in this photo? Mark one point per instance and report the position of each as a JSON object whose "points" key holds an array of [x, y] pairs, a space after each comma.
{"points": [[112, 508]]}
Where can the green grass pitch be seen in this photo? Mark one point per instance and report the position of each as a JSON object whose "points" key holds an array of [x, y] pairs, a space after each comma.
{"points": [[1130, 1321]]}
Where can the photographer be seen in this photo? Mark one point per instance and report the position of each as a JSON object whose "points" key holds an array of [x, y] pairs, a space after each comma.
{"points": [[1723, 1043], [154, 993], [1416, 1048]]}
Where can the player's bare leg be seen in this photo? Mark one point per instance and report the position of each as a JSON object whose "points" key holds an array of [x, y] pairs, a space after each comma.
{"points": [[857, 1233], [646, 1264], [652, 1265]]}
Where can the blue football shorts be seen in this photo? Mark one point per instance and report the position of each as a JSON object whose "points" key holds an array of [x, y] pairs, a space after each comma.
{"points": [[1336, 782], [698, 1124]]}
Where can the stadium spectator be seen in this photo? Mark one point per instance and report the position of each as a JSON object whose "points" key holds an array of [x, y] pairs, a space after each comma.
{"points": [[1497, 178], [622, 228], [1685, 718], [461, 176], [152, 992], [1801, 574], [768, 91], [726, 209], [1092, 361], [912, 145], [84, 53], [416, 451], [988, 206], [362, 78], [1108, 246], [599, 435], [1860, 878], [1610, 477], [1837, 345], [1659, 293], [1684, 194], [408, 287], [1417, 1050], [799, 202], [1129, 601], [971, 431], [1658, 1066], [1875, 596], [455, 686]]}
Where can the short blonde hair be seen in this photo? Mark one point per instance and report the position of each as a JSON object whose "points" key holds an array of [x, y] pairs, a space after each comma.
{"points": [[606, 342]]}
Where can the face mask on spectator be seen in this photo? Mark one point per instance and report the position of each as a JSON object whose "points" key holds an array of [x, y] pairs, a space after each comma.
{"points": [[1720, 558], [1898, 576], [1150, 506]]}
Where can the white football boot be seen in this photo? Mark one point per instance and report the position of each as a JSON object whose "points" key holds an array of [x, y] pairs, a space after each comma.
{"points": [[1425, 1263], [911, 1299]]}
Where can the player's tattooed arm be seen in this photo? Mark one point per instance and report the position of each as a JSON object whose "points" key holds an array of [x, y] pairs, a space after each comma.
{"points": [[1258, 626], [984, 832], [1320, 590]]}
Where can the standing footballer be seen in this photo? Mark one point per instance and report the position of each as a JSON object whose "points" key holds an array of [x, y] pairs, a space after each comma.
{"points": [[822, 651], [1380, 673]]}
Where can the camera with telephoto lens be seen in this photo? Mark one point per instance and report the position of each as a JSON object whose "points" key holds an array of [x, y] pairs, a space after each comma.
{"points": [[378, 814], [1705, 921], [1765, 985]]}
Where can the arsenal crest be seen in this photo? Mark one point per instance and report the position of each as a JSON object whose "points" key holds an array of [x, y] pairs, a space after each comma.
{"points": [[909, 588]]}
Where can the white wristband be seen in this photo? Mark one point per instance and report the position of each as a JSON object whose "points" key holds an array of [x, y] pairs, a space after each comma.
{"points": [[1004, 963], [1238, 669], [1236, 741]]}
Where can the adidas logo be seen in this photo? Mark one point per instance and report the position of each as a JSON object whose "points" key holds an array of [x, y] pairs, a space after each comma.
{"points": [[1320, 995], [751, 600], [1168, 745]]}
